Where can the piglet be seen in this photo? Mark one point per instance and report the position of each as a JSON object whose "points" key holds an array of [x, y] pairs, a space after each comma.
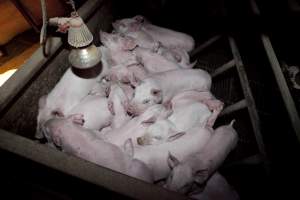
{"points": [[119, 47], [207, 106], [184, 117], [181, 144], [199, 166], [135, 127], [117, 103], [162, 87], [158, 133], [188, 112], [81, 142], [128, 73], [169, 38], [94, 109], [67, 93], [176, 55], [154, 62], [216, 188]]}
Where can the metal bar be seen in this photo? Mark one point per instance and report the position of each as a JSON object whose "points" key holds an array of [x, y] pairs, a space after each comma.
{"points": [[19, 79], [85, 170], [280, 79], [234, 107], [223, 68], [254, 7], [250, 100], [204, 45], [283, 87]]}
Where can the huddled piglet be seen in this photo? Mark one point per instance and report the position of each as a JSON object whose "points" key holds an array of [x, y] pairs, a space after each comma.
{"points": [[154, 62], [81, 142], [187, 113], [135, 127], [162, 87], [216, 188], [95, 111], [137, 26], [176, 55], [117, 103], [199, 166], [128, 73], [119, 47], [66, 94], [180, 144], [187, 101]]}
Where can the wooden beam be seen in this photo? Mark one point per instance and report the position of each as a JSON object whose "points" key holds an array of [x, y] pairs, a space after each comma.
{"points": [[82, 169]]}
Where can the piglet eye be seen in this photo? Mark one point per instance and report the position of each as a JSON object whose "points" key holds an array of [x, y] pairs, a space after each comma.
{"points": [[146, 101], [57, 113]]}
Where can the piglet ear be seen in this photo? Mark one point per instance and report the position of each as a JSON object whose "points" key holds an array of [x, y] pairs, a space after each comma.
{"points": [[149, 121], [128, 147], [172, 161], [175, 136], [156, 92]]}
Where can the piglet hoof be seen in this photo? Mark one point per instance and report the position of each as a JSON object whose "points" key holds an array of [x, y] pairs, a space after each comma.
{"points": [[77, 119]]}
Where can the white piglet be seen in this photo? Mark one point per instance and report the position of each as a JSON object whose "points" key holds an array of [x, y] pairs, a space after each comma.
{"points": [[180, 144], [137, 26], [162, 87], [82, 142], [135, 127], [216, 188], [117, 103], [154, 62], [67, 93], [95, 112], [199, 166]]}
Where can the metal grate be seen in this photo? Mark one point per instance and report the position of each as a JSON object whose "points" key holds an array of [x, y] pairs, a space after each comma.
{"points": [[231, 85]]}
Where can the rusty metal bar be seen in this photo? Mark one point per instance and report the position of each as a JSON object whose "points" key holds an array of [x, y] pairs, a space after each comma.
{"points": [[204, 45], [249, 99], [234, 107], [223, 68], [82, 169]]}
